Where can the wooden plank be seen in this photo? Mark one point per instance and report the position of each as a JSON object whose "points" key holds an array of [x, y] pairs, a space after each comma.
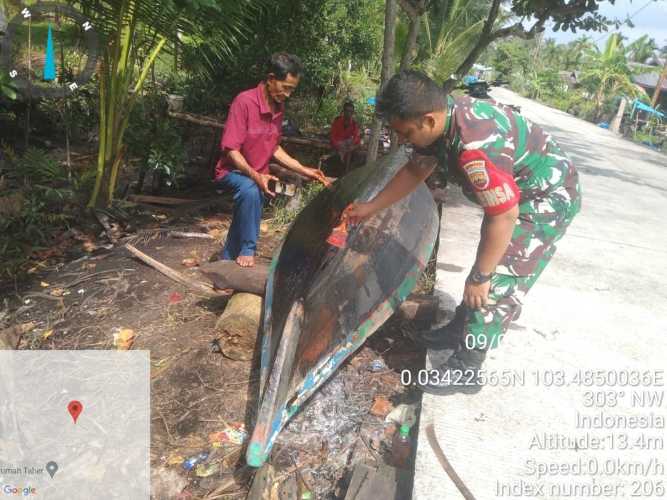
{"points": [[159, 200], [203, 288], [360, 475], [261, 483], [384, 482], [277, 387]]}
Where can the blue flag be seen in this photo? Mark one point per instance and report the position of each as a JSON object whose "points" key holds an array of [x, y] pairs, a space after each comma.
{"points": [[50, 60]]}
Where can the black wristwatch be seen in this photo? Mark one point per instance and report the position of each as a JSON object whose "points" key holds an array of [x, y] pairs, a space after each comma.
{"points": [[478, 278]]}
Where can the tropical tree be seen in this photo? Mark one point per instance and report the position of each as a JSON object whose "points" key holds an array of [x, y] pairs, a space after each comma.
{"points": [[607, 73], [325, 34], [574, 52], [511, 58], [135, 32], [529, 18], [641, 49], [451, 29]]}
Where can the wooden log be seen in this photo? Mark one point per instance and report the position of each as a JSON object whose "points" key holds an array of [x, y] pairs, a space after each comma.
{"points": [[225, 274], [205, 289], [239, 326], [217, 124], [306, 141], [183, 235], [222, 202], [159, 200], [197, 119]]}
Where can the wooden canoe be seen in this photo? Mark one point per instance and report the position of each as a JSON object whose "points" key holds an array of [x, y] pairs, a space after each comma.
{"points": [[322, 302]]}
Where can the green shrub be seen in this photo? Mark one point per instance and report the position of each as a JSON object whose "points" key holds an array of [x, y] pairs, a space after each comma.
{"points": [[37, 198], [283, 215]]}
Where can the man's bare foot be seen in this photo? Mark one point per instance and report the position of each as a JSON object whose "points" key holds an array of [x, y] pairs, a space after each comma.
{"points": [[245, 260]]}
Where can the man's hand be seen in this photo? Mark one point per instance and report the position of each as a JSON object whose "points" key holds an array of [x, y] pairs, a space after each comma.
{"points": [[476, 295], [262, 181], [317, 175], [359, 212]]}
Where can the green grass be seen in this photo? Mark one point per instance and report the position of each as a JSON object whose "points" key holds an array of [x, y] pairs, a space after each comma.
{"points": [[283, 216]]}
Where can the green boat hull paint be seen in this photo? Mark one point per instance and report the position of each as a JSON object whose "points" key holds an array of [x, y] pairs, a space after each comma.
{"points": [[322, 303]]}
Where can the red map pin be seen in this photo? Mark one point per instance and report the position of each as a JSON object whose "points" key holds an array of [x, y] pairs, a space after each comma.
{"points": [[75, 408]]}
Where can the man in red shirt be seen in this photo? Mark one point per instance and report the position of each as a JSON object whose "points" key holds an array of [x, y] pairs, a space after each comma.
{"points": [[345, 135], [250, 139]]}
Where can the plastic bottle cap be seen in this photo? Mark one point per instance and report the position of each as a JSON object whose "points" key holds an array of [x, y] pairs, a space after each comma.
{"points": [[405, 430]]}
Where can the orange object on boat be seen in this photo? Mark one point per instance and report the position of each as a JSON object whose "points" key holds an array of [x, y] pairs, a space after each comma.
{"points": [[338, 236]]}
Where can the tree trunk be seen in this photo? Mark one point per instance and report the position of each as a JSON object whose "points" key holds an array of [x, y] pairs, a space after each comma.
{"points": [[618, 119], [391, 10], [485, 39], [411, 45], [658, 87], [239, 325]]}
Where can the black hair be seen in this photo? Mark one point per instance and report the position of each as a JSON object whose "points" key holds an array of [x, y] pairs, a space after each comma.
{"points": [[348, 103], [408, 95], [281, 64]]}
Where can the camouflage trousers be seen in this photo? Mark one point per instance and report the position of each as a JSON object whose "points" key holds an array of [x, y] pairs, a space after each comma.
{"points": [[541, 223]]}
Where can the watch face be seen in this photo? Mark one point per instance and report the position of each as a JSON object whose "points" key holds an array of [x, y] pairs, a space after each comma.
{"points": [[49, 50], [479, 278]]}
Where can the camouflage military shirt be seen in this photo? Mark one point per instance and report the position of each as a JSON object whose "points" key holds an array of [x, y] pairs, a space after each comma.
{"points": [[505, 160]]}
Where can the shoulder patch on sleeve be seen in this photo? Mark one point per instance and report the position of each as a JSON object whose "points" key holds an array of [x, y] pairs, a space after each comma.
{"points": [[477, 173], [495, 189]]}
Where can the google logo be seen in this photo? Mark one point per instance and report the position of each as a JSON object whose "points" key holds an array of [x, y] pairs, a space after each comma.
{"points": [[17, 491]]}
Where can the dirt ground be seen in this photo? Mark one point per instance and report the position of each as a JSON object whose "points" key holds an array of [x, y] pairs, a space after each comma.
{"points": [[95, 290]]}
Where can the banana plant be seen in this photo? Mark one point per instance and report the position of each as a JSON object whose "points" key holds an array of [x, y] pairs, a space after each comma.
{"points": [[606, 72], [135, 32]]}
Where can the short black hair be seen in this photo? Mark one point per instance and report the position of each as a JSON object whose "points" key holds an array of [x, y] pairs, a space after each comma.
{"points": [[408, 95], [281, 64], [348, 103]]}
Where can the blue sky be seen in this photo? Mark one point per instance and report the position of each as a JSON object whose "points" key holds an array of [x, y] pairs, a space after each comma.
{"points": [[651, 20]]}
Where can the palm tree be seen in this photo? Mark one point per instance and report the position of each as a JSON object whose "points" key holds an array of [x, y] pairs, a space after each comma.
{"points": [[642, 49], [135, 32], [451, 30], [575, 52]]}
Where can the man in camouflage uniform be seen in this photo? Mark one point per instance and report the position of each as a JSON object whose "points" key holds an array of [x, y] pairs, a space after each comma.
{"points": [[527, 186]]}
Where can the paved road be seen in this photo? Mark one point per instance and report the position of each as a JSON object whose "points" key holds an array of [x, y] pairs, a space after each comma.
{"points": [[601, 304]]}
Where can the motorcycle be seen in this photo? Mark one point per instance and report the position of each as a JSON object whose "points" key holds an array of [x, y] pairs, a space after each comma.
{"points": [[479, 89]]}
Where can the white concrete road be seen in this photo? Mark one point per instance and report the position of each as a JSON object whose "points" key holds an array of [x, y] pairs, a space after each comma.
{"points": [[600, 305]]}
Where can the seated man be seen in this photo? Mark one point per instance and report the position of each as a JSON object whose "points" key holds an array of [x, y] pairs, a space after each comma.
{"points": [[345, 136], [250, 139]]}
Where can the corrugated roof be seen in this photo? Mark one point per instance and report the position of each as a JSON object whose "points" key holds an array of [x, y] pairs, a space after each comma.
{"points": [[649, 80]]}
